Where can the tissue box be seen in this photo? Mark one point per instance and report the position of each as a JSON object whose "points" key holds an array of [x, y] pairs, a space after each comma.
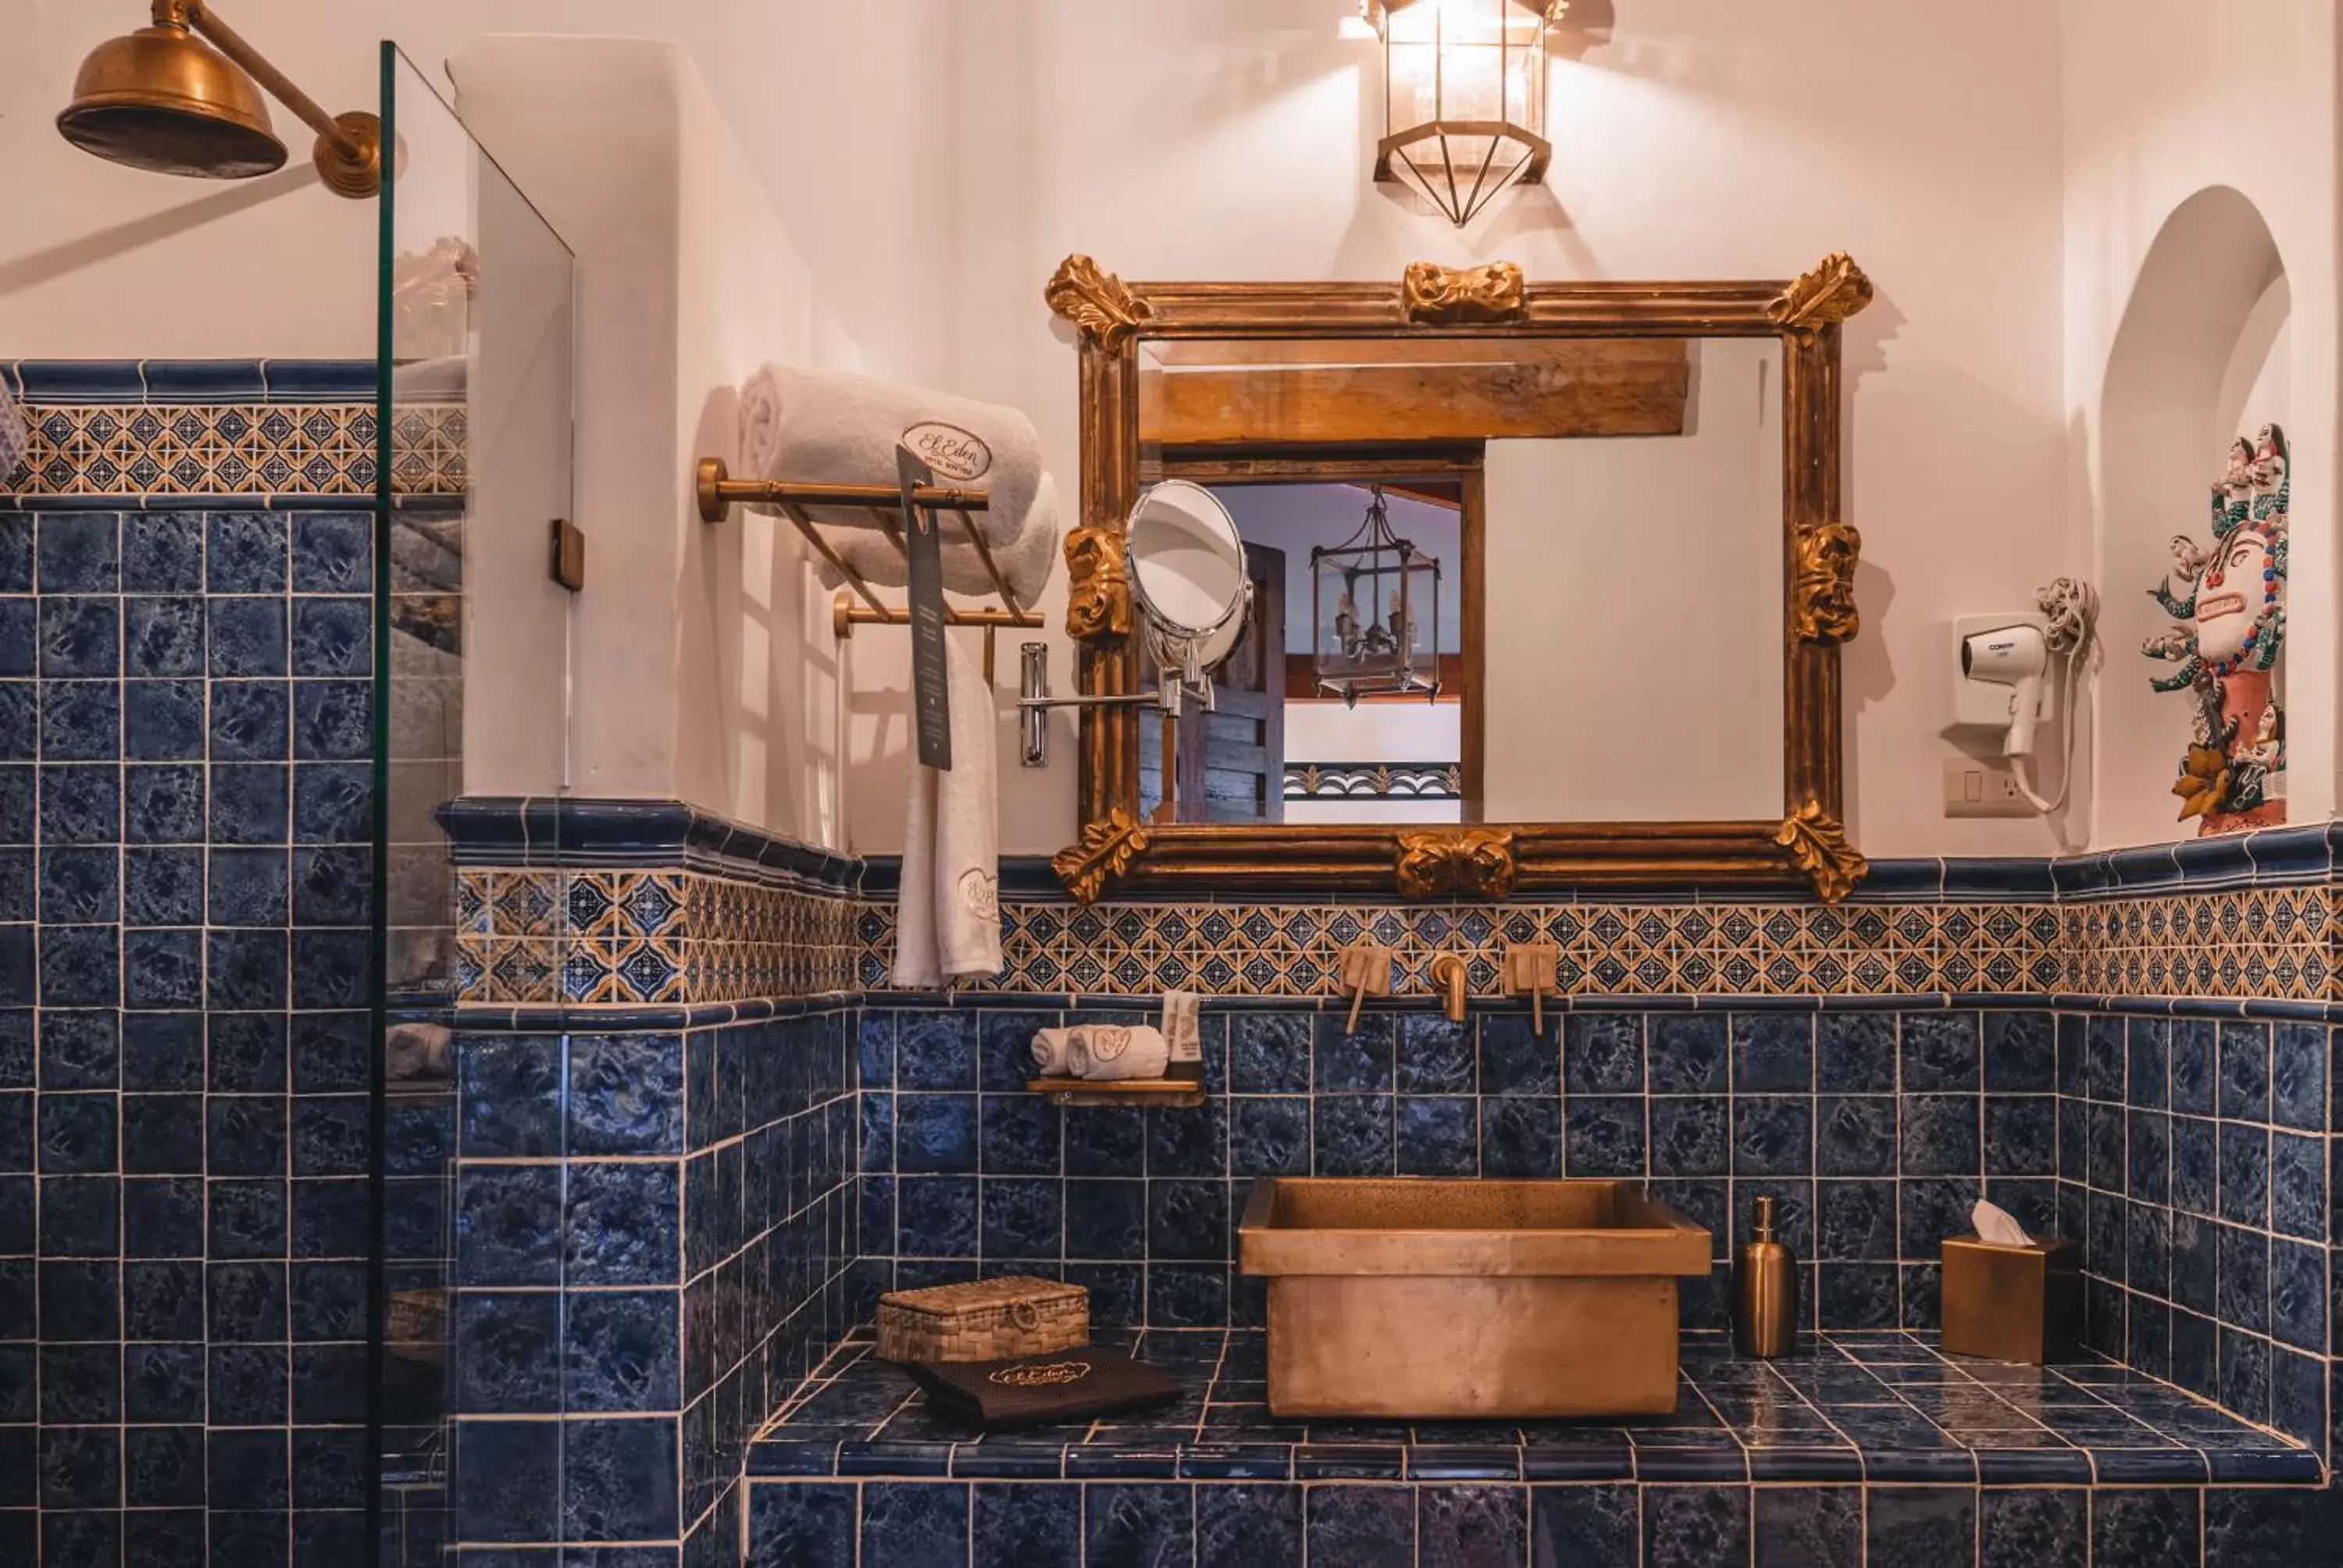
{"points": [[2012, 1303]]}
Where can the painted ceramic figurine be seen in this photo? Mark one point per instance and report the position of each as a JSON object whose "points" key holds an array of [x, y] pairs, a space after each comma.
{"points": [[2231, 597]]}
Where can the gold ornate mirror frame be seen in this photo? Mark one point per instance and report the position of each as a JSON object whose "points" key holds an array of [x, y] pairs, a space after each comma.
{"points": [[1807, 847]]}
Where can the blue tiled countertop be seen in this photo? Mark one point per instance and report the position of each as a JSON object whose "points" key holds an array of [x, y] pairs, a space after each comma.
{"points": [[1852, 1406]]}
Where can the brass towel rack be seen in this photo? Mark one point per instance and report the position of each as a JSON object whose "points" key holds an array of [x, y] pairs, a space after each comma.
{"points": [[719, 493]]}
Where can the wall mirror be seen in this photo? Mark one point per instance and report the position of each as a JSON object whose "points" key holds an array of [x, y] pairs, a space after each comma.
{"points": [[1548, 584]]}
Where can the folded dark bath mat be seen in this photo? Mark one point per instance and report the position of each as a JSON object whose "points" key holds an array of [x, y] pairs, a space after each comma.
{"points": [[1080, 1384]]}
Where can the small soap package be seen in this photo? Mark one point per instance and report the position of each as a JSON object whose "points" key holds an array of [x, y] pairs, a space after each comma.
{"points": [[2012, 1302]]}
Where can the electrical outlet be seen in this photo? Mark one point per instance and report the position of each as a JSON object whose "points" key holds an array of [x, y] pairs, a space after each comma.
{"points": [[1983, 787]]}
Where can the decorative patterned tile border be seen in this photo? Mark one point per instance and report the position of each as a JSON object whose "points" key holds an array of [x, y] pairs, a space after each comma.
{"points": [[164, 428], [636, 903], [98, 450], [637, 938], [2264, 943], [1607, 950]]}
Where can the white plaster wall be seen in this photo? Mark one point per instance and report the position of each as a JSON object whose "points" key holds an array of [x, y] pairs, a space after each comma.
{"points": [[1375, 732], [832, 103], [1233, 139], [520, 395], [2163, 99], [1634, 589], [698, 672], [933, 162]]}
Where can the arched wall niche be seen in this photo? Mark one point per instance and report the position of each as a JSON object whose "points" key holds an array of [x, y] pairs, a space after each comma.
{"points": [[2204, 355]]}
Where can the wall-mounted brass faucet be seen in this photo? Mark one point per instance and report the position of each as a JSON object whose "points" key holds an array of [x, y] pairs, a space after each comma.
{"points": [[1448, 972]]}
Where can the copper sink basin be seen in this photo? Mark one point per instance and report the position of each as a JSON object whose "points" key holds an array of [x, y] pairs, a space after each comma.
{"points": [[1426, 1298]]}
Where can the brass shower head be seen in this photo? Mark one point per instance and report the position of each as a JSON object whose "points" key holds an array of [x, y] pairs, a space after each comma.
{"points": [[168, 101]]}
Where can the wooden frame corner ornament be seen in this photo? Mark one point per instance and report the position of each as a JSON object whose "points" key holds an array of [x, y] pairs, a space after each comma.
{"points": [[1105, 853], [1098, 585], [1473, 863], [1805, 849], [1822, 298], [1102, 309], [1443, 295], [1825, 588], [1818, 847]]}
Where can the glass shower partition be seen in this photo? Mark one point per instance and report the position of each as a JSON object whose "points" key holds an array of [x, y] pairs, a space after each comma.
{"points": [[474, 390]]}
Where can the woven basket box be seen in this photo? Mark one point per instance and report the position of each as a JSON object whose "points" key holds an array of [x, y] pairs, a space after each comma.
{"points": [[984, 1320]]}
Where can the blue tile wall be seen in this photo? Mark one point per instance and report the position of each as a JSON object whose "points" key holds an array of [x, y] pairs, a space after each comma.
{"points": [[1480, 1525], [1875, 1132], [2194, 1167], [184, 1056], [653, 1233]]}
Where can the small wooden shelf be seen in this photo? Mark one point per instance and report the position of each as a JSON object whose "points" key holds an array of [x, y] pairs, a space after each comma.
{"points": [[1181, 1088]]}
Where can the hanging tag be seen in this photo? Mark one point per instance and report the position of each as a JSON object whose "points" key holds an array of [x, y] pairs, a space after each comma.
{"points": [[931, 692]]}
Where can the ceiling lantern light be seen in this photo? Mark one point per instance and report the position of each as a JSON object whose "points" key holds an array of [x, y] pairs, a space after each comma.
{"points": [[1463, 97]]}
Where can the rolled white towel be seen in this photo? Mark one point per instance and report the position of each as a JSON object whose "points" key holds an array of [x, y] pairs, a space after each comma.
{"points": [[1105, 1052], [1026, 566], [830, 427], [1050, 1052]]}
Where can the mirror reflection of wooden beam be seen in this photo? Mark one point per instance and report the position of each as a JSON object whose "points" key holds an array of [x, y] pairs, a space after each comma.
{"points": [[1447, 497], [1585, 389], [1228, 353]]}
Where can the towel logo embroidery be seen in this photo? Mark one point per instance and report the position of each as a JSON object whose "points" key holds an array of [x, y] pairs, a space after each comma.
{"points": [[1108, 1042], [949, 450], [1051, 1374], [981, 891]]}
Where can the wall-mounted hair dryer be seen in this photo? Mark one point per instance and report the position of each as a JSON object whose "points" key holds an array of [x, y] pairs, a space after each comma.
{"points": [[2017, 656]]}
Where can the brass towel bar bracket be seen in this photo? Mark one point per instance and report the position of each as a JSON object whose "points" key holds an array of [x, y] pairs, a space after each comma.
{"points": [[718, 493]]}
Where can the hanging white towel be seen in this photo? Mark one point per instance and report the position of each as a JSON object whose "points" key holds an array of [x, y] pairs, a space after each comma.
{"points": [[947, 908], [830, 427]]}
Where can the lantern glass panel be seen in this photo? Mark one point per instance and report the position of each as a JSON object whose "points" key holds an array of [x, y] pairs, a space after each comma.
{"points": [[1377, 614], [1414, 83], [1466, 60]]}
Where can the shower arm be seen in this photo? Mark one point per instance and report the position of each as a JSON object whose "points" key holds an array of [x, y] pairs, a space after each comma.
{"points": [[200, 16]]}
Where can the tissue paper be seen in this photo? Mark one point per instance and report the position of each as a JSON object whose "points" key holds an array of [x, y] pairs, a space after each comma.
{"points": [[1995, 1224]]}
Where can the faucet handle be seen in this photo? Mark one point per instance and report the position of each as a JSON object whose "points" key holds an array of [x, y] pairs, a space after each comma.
{"points": [[1532, 968], [1366, 970]]}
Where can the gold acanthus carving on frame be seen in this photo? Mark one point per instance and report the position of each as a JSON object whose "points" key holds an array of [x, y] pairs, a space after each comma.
{"points": [[1098, 585], [1106, 851], [1106, 313], [1818, 847], [1477, 863], [1826, 296], [1827, 555], [1437, 296]]}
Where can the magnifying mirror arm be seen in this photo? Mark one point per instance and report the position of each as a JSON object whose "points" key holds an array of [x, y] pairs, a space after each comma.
{"points": [[1034, 701]]}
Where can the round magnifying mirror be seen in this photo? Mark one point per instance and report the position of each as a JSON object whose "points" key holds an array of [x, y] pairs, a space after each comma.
{"points": [[1188, 569]]}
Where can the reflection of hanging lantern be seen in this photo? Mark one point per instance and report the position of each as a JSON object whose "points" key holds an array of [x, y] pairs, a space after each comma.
{"points": [[1372, 596], [1463, 97]]}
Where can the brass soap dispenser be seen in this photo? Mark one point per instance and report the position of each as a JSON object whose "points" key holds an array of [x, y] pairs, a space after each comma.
{"points": [[1764, 1291]]}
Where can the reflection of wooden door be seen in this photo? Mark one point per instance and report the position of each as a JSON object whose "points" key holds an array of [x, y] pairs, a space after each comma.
{"points": [[1231, 761], [1229, 765]]}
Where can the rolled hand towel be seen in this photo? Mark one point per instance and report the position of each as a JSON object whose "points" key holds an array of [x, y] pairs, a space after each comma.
{"points": [[1105, 1053], [829, 427], [1050, 1052]]}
